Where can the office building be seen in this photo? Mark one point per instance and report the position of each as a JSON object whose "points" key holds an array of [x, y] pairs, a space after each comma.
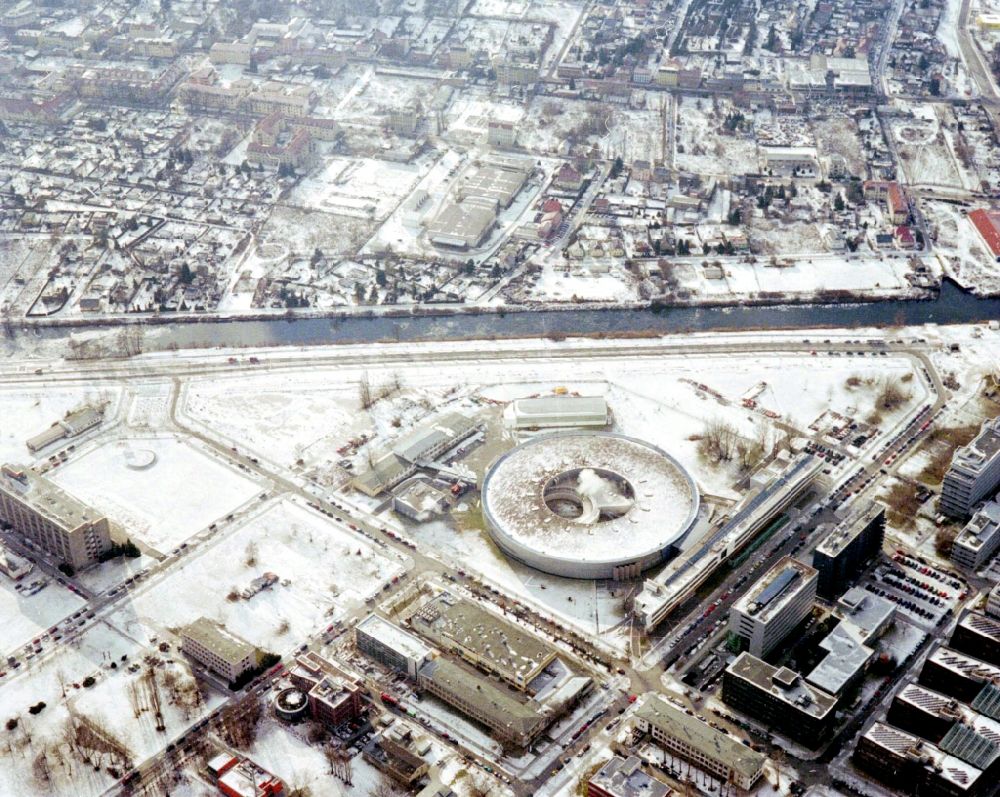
{"points": [[52, 519], [953, 726], [846, 660], [390, 645], [333, 696], [957, 674], [871, 613], [977, 542], [978, 636], [510, 721], [222, 652], [974, 473], [483, 639], [847, 550], [911, 765], [774, 606], [623, 777], [780, 698], [710, 750]]}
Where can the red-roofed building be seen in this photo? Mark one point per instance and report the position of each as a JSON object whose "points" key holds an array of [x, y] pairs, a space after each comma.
{"points": [[896, 203], [987, 224], [904, 237]]}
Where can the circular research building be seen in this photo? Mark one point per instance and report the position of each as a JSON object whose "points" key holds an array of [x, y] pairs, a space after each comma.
{"points": [[588, 504]]}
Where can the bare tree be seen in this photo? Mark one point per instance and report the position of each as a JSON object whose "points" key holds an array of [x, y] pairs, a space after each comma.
{"points": [[365, 397], [250, 554], [718, 443]]}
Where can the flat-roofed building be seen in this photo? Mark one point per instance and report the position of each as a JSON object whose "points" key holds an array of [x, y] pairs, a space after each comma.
{"points": [[846, 660], [390, 645], [558, 412], [790, 159], [872, 614], [848, 549], [978, 541], [911, 765], [512, 722], [484, 640], [993, 602], [221, 651], [974, 473], [774, 606], [334, 697], [710, 750], [497, 182], [957, 674], [780, 698], [979, 636], [624, 777], [72, 532], [461, 225], [243, 778]]}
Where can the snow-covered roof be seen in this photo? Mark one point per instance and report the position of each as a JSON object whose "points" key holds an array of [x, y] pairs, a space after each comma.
{"points": [[662, 506]]}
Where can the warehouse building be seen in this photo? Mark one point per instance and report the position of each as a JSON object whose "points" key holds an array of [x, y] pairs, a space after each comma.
{"points": [[73, 425], [462, 225], [710, 750], [978, 636], [957, 674], [911, 765], [222, 652], [511, 722], [773, 607], [780, 698], [977, 542], [974, 473], [557, 412], [845, 552], [55, 521], [417, 449], [390, 645], [987, 221], [486, 641]]}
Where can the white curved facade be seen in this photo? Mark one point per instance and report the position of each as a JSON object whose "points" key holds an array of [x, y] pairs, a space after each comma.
{"points": [[589, 505]]}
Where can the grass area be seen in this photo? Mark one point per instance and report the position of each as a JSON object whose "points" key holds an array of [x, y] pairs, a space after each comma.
{"points": [[943, 441], [903, 504]]}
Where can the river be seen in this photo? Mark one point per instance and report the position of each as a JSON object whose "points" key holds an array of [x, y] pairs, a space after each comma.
{"points": [[952, 306]]}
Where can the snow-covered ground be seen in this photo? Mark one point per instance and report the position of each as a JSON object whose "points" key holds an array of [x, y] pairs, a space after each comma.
{"points": [[183, 490], [35, 758], [323, 570], [26, 413], [25, 617]]}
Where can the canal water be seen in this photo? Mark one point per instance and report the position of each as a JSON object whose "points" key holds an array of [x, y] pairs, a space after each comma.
{"points": [[952, 306]]}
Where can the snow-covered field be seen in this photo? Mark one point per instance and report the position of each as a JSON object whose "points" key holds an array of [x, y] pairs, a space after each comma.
{"points": [[24, 617], [27, 413], [35, 758], [323, 570], [183, 491]]}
